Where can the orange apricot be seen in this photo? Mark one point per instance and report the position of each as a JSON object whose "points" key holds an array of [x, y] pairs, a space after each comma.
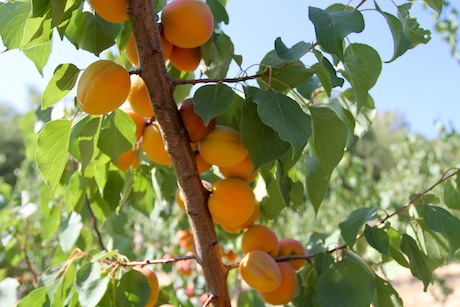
{"points": [[289, 246], [103, 87], [179, 196], [153, 145], [111, 10], [243, 170], [187, 23], [153, 280], [285, 292], [232, 202], [185, 59], [185, 238], [138, 97], [201, 164], [260, 271], [252, 219], [128, 159], [262, 238], [193, 122], [131, 50], [223, 147]]}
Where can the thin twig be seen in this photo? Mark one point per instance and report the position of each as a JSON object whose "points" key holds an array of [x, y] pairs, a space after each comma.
{"points": [[218, 80], [94, 222], [158, 261], [208, 301]]}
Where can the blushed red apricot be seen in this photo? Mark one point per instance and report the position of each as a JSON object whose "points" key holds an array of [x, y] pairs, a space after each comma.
{"points": [[128, 159], [193, 122], [187, 23], [289, 246], [260, 271]]}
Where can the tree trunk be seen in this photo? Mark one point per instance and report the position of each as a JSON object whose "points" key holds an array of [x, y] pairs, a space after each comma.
{"points": [[160, 87]]}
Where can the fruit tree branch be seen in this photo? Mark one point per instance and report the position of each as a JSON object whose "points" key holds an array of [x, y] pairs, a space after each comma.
{"points": [[160, 87], [219, 80]]}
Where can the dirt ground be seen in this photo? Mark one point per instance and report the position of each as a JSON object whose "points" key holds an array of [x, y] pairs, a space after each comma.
{"points": [[411, 289]]}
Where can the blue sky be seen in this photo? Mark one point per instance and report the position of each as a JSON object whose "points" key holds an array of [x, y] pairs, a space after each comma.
{"points": [[423, 84]]}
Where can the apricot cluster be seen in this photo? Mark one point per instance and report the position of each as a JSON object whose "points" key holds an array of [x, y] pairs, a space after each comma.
{"points": [[185, 26], [275, 281]]}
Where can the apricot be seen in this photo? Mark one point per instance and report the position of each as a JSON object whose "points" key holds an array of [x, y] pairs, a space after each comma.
{"points": [[153, 280], [286, 291], [111, 10], [153, 145], [179, 196], [137, 119], [138, 97], [201, 164], [131, 49], [232, 202], [246, 224], [128, 159], [184, 268], [187, 23], [103, 87], [193, 122], [223, 147], [289, 246], [185, 59], [185, 238], [260, 271], [243, 170], [262, 238]]}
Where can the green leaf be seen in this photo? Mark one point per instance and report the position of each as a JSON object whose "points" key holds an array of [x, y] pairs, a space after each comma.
{"points": [[285, 116], [317, 181], [37, 297], [57, 9], [291, 54], [351, 225], [250, 299], [451, 196], [419, 264], [322, 262], [332, 27], [329, 135], [63, 80], [70, 231], [90, 32], [377, 238], [350, 281], [395, 245], [210, 101], [104, 255], [307, 88], [113, 188], [283, 75], [362, 69], [273, 203], [442, 221], [385, 295], [218, 11], [117, 134], [91, 287], [326, 73], [14, 18], [65, 288], [217, 53], [134, 289], [263, 143], [436, 245], [232, 116], [347, 117], [411, 27], [435, 5], [52, 151]]}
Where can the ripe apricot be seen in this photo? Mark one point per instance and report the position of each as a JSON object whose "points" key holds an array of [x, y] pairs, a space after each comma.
{"points": [[185, 59], [193, 122], [153, 145], [111, 10], [252, 218], [131, 50], [187, 23], [153, 280], [289, 246], [103, 87], [223, 147], [231, 202], [260, 271], [285, 292], [128, 159], [201, 164], [138, 97], [137, 119], [185, 238], [243, 170], [262, 238]]}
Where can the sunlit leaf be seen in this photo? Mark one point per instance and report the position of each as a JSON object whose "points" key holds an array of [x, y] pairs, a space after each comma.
{"points": [[385, 295], [419, 264], [91, 286], [60, 84]]}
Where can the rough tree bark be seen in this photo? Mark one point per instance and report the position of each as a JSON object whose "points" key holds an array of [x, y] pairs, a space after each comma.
{"points": [[160, 87]]}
